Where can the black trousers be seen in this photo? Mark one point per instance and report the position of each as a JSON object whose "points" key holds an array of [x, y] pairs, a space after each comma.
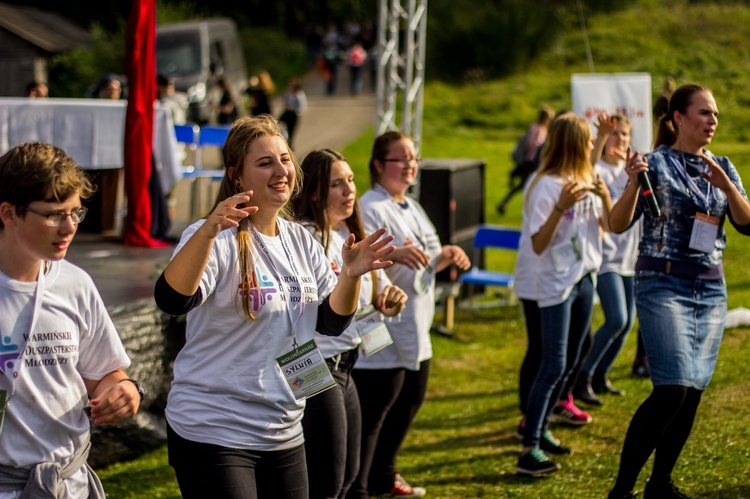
{"points": [[390, 399], [333, 430], [207, 470]]}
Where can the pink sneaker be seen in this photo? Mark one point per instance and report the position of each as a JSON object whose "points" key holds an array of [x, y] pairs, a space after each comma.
{"points": [[566, 412]]}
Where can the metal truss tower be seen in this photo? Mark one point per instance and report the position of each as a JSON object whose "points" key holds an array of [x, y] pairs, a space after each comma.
{"points": [[402, 26]]}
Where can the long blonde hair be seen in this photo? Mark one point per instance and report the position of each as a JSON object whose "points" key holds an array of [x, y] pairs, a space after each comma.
{"points": [[243, 133], [566, 153]]}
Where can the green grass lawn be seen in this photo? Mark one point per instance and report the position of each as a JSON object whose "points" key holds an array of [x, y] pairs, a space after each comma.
{"points": [[461, 444]]}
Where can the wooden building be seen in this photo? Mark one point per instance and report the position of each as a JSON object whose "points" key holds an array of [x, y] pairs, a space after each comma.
{"points": [[28, 38]]}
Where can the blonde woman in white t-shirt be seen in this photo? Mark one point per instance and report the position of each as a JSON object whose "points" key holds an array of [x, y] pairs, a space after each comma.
{"points": [[256, 288], [564, 207], [327, 206]]}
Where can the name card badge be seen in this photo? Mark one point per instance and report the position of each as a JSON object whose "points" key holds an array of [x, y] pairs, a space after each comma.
{"points": [[372, 330], [566, 254], [423, 280], [703, 236], [305, 371]]}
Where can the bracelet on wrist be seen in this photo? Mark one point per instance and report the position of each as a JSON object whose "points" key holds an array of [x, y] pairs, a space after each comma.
{"points": [[559, 209]]}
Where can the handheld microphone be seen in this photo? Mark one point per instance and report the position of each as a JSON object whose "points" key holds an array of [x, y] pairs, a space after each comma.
{"points": [[653, 206]]}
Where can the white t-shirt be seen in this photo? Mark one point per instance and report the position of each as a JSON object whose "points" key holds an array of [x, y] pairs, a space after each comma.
{"points": [[411, 330], [524, 275], [574, 251], [228, 389], [349, 339], [619, 251], [73, 338]]}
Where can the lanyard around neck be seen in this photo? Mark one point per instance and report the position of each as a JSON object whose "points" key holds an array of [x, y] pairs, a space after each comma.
{"points": [[277, 276], [690, 183]]}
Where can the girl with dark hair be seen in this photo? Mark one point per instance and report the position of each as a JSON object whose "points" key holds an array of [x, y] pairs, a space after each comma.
{"points": [[680, 291], [327, 207], [255, 287]]}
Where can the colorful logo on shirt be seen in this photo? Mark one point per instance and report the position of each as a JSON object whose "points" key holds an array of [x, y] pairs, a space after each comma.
{"points": [[261, 290], [298, 382], [8, 355]]}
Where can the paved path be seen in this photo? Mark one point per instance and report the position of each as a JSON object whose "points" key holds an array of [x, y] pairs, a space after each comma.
{"points": [[330, 121]]}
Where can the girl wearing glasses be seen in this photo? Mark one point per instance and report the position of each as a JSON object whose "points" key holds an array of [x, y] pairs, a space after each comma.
{"points": [[256, 287], [327, 207], [393, 382]]}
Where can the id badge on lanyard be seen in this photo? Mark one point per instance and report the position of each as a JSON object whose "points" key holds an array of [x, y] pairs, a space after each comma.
{"points": [[373, 331], [703, 235], [303, 366], [306, 371]]}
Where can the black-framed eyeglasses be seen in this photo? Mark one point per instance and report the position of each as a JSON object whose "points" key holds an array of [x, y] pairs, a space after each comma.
{"points": [[56, 219], [405, 162]]}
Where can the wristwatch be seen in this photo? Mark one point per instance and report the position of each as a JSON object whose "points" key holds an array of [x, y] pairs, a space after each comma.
{"points": [[137, 385]]}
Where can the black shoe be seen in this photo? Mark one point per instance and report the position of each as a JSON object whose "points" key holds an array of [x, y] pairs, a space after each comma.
{"points": [[582, 391], [549, 444], [535, 462], [600, 384], [641, 368], [662, 490]]}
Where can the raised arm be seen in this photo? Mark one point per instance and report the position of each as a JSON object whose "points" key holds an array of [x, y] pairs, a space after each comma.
{"points": [[738, 205], [184, 271], [571, 194], [359, 258], [623, 211]]}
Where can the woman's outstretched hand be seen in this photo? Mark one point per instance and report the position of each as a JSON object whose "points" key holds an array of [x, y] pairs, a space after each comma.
{"points": [[227, 214], [366, 255]]}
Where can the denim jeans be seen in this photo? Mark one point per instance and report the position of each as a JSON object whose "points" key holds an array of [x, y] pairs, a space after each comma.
{"points": [[682, 322], [562, 324], [618, 304]]}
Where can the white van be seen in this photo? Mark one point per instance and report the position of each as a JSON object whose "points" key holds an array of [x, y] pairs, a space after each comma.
{"points": [[197, 54]]}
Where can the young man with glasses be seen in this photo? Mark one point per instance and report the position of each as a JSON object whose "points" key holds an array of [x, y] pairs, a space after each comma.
{"points": [[59, 350]]}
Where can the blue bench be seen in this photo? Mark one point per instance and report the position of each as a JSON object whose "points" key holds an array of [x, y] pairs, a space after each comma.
{"points": [[491, 236]]}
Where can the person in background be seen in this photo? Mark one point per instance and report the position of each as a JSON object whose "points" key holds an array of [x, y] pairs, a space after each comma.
{"points": [[356, 57], [525, 166], [261, 91], [60, 349], [615, 283], [661, 106], [680, 290], [227, 107], [109, 87], [295, 103], [327, 207], [563, 211], [255, 287], [393, 382], [177, 103], [37, 90]]}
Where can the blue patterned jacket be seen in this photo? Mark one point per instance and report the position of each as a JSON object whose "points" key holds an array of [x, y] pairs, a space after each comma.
{"points": [[669, 236]]}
